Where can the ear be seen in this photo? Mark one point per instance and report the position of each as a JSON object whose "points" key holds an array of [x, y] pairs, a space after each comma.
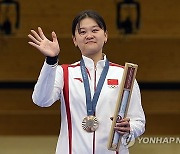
{"points": [[74, 40], [106, 36]]}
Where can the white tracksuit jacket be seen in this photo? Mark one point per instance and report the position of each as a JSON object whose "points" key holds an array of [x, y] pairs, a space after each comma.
{"points": [[73, 139]]}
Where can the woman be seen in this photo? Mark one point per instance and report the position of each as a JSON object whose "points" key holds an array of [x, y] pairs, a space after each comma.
{"points": [[85, 89]]}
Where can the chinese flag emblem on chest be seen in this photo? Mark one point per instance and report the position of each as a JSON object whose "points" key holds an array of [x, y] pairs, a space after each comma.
{"points": [[112, 83]]}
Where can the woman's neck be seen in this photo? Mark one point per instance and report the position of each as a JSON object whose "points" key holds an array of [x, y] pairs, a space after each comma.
{"points": [[97, 57]]}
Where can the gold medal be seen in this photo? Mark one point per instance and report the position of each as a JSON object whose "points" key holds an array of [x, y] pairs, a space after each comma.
{"points": [[90, 123]]}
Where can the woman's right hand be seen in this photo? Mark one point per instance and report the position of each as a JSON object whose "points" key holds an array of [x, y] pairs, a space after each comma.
{"points": [[45, 46]]}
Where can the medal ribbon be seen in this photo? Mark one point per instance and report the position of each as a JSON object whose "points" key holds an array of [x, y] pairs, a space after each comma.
{"points": [[91, 105]]}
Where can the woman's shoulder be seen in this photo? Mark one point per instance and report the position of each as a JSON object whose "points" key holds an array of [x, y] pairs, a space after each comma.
{"points": [[116, 65], [73, 65]]}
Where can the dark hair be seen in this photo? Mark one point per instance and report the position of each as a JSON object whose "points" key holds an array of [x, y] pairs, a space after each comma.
{"points": [[85, 14]]}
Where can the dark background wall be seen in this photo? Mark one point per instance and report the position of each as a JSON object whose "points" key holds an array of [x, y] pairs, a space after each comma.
{"points": [[155, 48]]}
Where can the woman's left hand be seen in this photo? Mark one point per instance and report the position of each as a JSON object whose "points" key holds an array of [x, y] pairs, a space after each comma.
{"points": [[122, 126]]}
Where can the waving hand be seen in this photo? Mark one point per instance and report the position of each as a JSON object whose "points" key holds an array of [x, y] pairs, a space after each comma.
{"points": [[45, 46]]}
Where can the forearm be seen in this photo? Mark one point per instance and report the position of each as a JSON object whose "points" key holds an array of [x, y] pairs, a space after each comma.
{"points": [[136, 113], [46, 91]]}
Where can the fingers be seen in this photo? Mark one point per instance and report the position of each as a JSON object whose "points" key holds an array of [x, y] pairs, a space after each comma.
{"points": [[33, 39], [122, 131], [122, 126], [54, 37], [39, 41], [36, 35], [37, 38], [41, 33], [125, 119], [34, 45]]}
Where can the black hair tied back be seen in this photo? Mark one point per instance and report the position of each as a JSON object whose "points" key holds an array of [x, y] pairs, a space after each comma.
{"points": [[88, 14]]}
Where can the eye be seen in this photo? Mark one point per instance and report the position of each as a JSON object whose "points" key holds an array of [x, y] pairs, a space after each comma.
{"points": [[95, 30], [82, 32]]}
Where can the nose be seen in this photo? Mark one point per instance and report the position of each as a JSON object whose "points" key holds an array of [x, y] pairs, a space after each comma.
{"points": [[89, 36]]}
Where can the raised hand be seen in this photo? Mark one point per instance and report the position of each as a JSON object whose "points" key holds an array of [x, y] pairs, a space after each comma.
{"points": [[45, 46]]}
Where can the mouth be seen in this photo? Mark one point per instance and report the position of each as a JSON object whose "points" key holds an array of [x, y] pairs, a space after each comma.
{"points": [[90, 42]]}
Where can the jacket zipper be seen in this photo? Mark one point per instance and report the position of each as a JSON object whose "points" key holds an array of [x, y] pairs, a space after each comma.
{"points": [[95, 110]]}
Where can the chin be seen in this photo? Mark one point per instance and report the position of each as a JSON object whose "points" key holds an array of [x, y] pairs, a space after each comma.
{"points": [[91, 51]]}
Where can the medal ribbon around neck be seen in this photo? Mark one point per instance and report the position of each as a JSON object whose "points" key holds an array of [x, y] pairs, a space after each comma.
{"points": [[91, 105]]}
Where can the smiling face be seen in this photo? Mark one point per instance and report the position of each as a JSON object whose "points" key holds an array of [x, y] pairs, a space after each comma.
{"points": [[90, 38]]}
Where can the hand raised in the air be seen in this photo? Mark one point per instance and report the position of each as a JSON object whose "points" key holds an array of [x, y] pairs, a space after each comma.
{"points": [[45, 46]]}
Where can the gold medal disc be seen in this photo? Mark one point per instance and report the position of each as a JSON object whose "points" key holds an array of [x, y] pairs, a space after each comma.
{"points": [[90, 123]]}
